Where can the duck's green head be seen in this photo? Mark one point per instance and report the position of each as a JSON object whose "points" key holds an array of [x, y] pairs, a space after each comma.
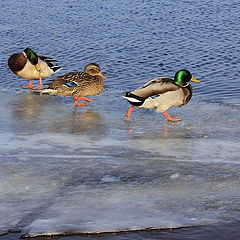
{"points": [[183, 77], [32, 57]]}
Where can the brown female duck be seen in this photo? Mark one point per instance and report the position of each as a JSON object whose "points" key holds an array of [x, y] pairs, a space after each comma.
{"points": [[78, 85]]}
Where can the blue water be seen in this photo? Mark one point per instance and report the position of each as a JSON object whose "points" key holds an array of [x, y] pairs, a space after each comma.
{"points": [[133, 41], [62, 166]]}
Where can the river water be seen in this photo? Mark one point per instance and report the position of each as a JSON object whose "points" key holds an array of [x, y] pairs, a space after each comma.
{"points": [[69, 170]]}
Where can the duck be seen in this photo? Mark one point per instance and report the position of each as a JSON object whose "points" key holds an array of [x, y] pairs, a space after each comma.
{"points": [[31, 66], [78, 85], [162, 93]]}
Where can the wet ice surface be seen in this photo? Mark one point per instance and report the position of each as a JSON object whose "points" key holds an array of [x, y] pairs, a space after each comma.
{"points": [[87, 170]]}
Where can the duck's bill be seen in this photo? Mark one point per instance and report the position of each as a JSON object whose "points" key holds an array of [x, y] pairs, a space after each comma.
{"points": [[38, 68], [195, 80], [102, 75]]}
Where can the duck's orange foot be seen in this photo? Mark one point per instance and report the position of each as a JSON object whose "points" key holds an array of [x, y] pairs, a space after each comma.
{"points": [[128, 118], [173, 119], [81, 98], [169, 118], [127, 115], [38, 87], [40, 83], [84, 99], [78, 104], [30, 85]]}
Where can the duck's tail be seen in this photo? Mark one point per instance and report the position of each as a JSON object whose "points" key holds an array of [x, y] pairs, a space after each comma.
{"points": [[51, 63], [49, 91], [134, 99]]}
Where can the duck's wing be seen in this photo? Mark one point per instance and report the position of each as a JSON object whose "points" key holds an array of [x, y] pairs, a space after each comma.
{"points": [[156, 86], [51, 62], [72, 79], [45, 58], [61, 80]]}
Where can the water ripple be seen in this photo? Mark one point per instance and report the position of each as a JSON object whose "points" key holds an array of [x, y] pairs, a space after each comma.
{"points": [[132, 42]]}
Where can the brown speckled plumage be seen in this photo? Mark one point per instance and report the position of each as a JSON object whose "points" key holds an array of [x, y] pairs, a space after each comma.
{"points": [[78, 84], [86, 85]]}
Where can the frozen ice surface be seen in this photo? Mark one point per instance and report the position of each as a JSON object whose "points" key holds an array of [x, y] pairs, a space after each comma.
{"points": [[87, 170]]}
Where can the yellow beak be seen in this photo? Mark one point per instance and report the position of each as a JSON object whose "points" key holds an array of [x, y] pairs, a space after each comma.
{"points": [[38, 68], [195, 80]]}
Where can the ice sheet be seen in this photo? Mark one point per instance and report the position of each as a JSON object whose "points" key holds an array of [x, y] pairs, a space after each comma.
{"points": [[87, 170]]}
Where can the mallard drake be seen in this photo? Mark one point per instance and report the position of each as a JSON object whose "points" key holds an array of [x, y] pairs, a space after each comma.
{"points": [[30, 66], [162, 93], [78, 85]]}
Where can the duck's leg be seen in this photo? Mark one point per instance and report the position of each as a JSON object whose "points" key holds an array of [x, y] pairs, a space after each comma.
{"points": [[40, 83], [81, 98], [30, 85], [84, 98], [169, 118], [127, 115]]}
